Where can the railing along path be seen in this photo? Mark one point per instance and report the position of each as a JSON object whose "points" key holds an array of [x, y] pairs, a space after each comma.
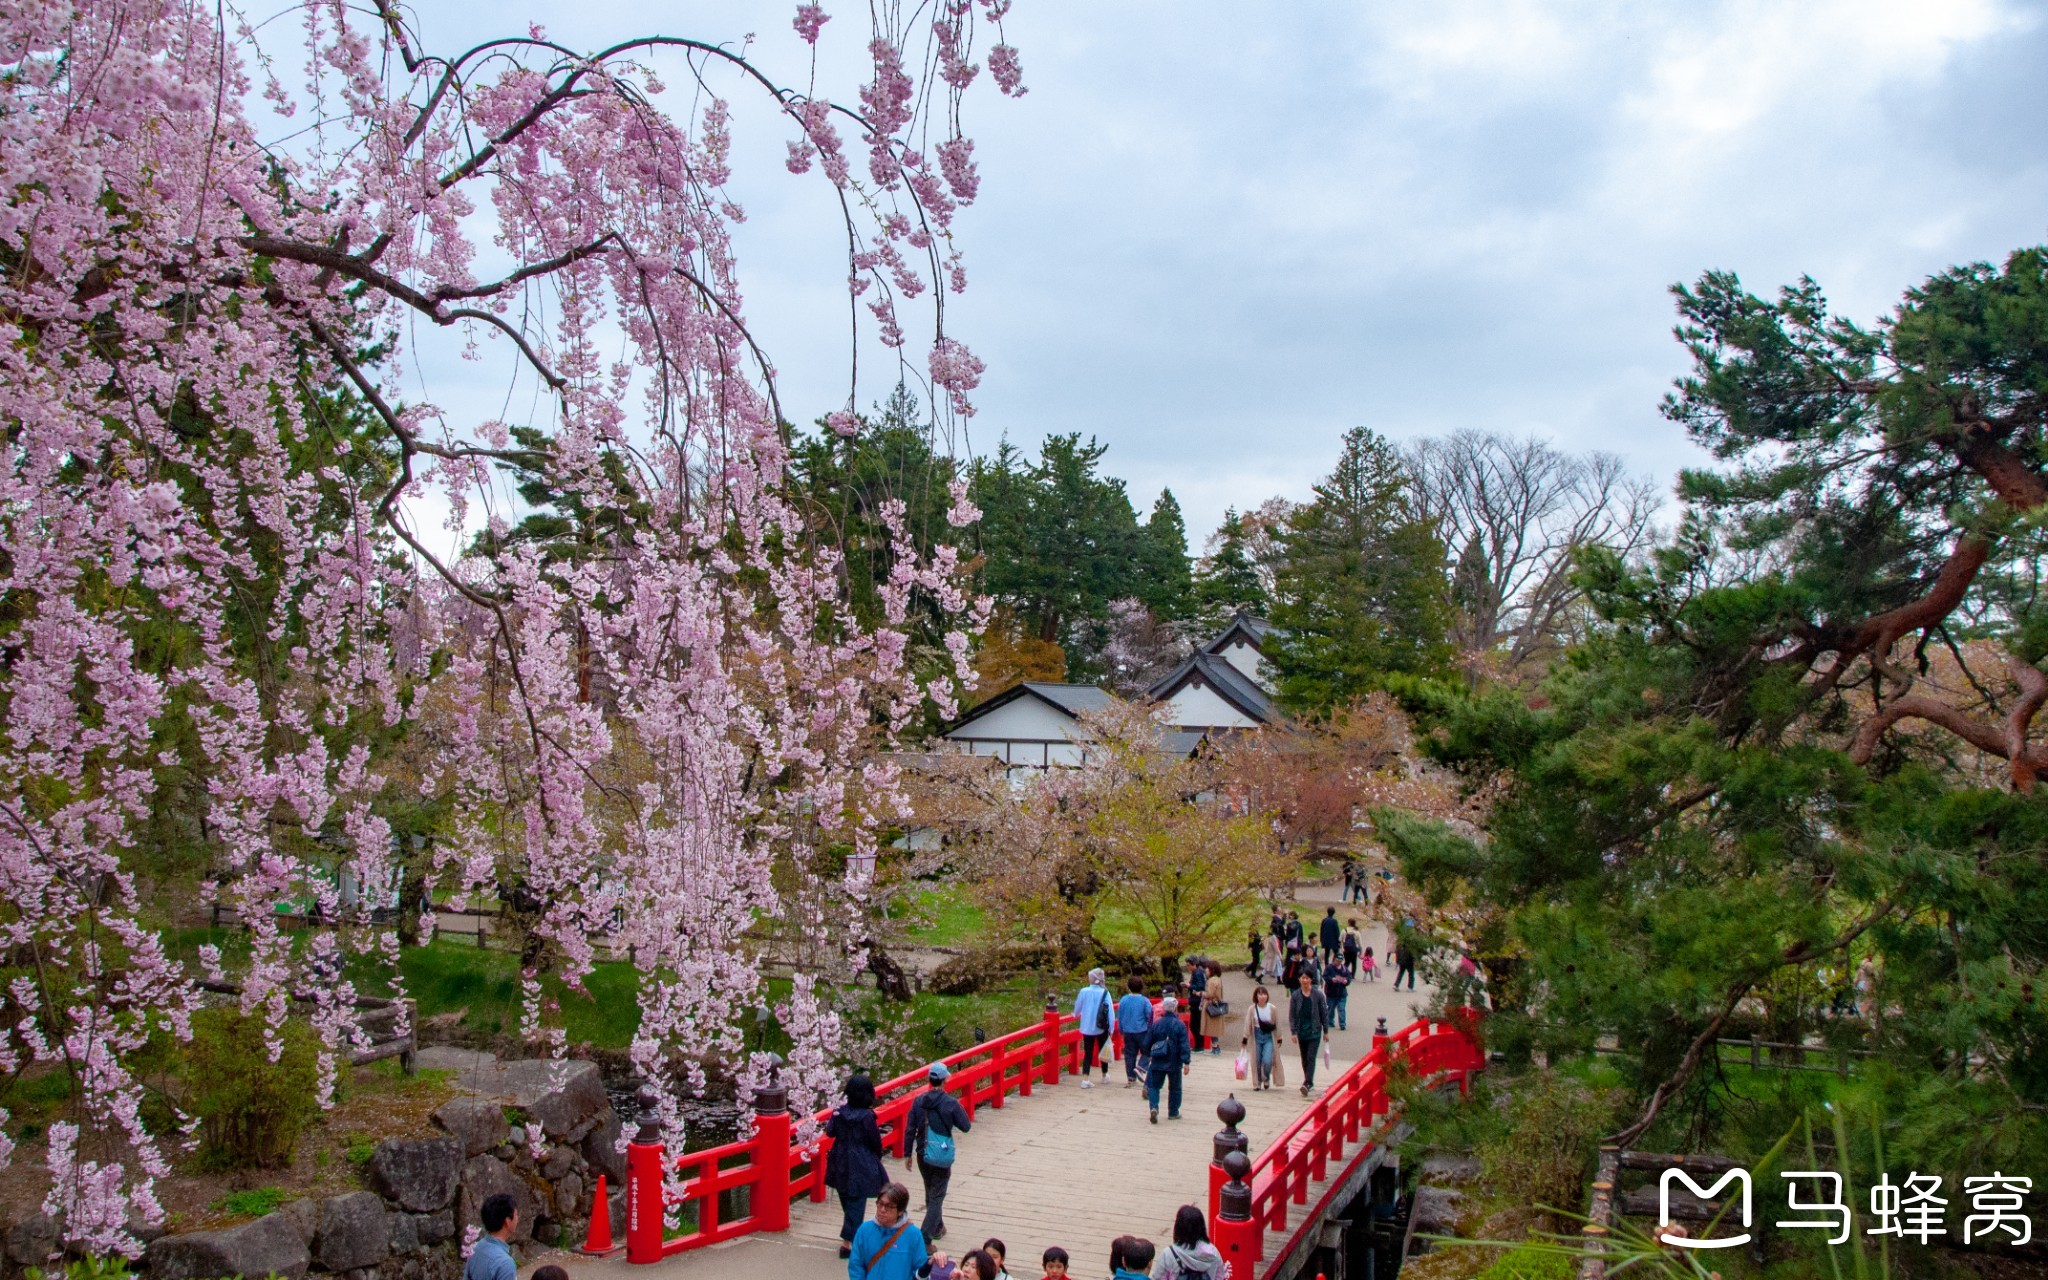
{"points": [[745, 1187], [1250, 1200]]}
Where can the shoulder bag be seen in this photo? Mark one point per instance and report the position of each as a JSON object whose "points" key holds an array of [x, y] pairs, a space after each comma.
{"points": [[938, 1151]]}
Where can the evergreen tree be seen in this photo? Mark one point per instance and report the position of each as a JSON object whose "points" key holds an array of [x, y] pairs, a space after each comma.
{"points": [[1167, 582], [1060, 541], [841, 482], [1800, 753], [1362, 590], [1227, 583]]}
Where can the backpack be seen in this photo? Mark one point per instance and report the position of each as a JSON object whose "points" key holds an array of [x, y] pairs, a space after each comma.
{"points": [[938, 1151]]}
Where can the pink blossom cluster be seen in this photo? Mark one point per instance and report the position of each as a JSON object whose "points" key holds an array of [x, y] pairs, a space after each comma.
{"points": [[214, 565]]}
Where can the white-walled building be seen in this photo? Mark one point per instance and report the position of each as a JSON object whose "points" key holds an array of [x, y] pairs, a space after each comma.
{"points": [[1220, 688], [1030, 725]]}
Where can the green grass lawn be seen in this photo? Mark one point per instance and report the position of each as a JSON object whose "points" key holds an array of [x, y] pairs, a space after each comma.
{"points": [[943, 917], [446, 975]]}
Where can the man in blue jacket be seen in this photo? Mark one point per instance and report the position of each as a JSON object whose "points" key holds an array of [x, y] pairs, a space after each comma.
{"points": [[1133, 1020], [1169, 1050]]}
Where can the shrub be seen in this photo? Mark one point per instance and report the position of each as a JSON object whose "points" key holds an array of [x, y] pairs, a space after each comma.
{"points": [[90, 1267], [251, 1110], [1540, 1158], [251, 1203]]}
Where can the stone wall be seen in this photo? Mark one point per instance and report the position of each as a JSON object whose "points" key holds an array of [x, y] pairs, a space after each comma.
{"points": [[539, 1131]]}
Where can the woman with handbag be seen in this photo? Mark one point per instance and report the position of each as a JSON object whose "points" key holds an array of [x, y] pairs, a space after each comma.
{"points": [[1261, 1037], [928, 1141]]}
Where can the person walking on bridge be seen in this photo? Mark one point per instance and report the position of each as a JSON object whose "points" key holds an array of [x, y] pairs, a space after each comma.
{"points": [[1261, 1036], [1308, 1016], [1133, 1020], [853, 1166], [1169, 1051], [928, 1138], [1092, 1011]]}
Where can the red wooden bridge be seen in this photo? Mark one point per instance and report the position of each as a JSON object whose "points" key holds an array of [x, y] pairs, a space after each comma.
{"points": [[1264, 1209]]}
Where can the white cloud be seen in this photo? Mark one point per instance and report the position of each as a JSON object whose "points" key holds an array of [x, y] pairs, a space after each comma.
{"points": [[1218, 235]]}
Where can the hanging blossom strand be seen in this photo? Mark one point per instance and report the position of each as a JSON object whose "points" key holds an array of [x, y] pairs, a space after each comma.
{"points": [[214, 569]]}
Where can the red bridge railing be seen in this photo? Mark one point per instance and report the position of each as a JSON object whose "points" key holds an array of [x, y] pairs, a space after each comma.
{"points": [[1252, 1200], [743, 1187]]}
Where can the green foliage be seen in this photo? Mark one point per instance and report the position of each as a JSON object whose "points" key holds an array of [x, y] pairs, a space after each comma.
{"points": [[1228, 582], [842, 482], [1062, 541], [1542, 1155], [1167, 582], [361, 1147], [1531, 1262], [1362, 594], [1687, 838], [448, 976], [90, 1267], [251, 1109], [251, 1203]]}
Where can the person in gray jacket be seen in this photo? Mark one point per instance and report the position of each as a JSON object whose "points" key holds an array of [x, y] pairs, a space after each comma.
{"points": [[1190, 1256], [1308, 1017]]}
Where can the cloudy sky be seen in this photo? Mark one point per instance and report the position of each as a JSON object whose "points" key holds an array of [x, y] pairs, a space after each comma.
{"points": [[1215, 236]]}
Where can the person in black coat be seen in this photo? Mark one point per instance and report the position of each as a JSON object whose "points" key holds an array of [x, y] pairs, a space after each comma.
{"points": [[935, 1112], [1332, 935], [853, 1166]]}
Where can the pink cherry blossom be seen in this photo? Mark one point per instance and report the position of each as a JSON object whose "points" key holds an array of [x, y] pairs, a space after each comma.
{"points": [[223, 577]]}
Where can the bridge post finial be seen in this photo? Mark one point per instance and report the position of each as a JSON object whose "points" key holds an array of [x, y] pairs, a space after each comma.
{"points": [[771, 1098], [1237, 1191], [1232, 1230], [1231, 1112], [646, 1158]]}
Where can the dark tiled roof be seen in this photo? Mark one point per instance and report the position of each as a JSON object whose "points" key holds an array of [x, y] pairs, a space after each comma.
{"points": [[1236, 688], [1253, 629], [1069, 699]]}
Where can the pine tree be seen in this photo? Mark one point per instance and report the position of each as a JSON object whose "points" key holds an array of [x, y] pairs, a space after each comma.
{"points": [[1227, 582], [1362, 590], [1166, 587]]}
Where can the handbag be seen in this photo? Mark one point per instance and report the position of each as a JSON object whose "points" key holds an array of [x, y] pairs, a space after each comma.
{"points": [[1217, 1009], [1244, 1065]]}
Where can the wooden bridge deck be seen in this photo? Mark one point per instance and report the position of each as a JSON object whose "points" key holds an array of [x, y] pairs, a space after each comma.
{"points": [[1067, 1166]]}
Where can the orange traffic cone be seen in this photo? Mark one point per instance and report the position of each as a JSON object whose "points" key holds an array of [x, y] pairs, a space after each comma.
{"points": [[599, 1238]]}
